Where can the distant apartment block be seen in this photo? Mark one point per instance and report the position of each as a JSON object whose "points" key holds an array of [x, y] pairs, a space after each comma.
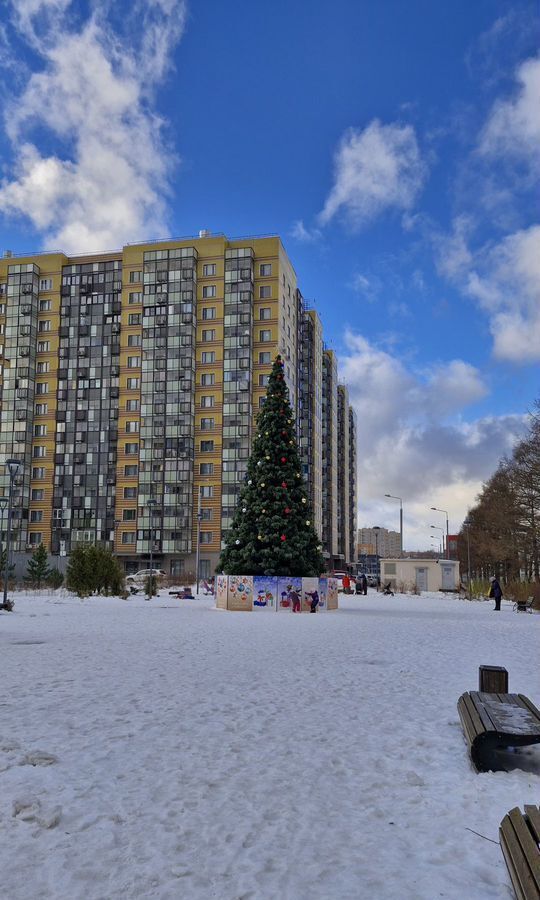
{"points": [[385, 543], [131, 383]]}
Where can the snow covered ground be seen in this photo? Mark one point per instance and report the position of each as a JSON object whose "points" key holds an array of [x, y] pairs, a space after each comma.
{"points": [[171, 750]]}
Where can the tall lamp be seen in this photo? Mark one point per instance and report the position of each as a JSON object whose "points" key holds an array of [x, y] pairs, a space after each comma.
{"points": [[392, 497], [13, 466], [438, 509], [3, 507], [150, 504], [198, 551]]}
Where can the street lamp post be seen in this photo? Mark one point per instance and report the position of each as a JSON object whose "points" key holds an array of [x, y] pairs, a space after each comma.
{"points": [[441, 545], [13, 467], [3, 506], [392, 497], [151, 503], [467, 525], [437, 509], [198, 549], [376, 529]]}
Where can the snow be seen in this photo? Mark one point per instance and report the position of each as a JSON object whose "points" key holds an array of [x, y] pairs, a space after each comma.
{"points": [[167, 749]]}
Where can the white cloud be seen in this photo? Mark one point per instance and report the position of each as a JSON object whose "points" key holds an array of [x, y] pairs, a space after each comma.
{"points": [[413, 440], [106, 182], [377, 168], [513, 127], [303, 234]]}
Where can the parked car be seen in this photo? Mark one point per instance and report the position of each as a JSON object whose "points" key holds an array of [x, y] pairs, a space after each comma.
{"points": [[139, 578], [339, 578], [371, 580]]}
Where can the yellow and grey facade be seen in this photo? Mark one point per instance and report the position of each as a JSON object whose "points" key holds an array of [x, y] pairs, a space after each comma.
{"points": [[131, 382]]}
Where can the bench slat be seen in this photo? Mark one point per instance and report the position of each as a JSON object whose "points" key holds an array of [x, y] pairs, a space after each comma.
{"points": [[479, 699], [468, 711], [530, 706], [533, 815], [519, 852]]}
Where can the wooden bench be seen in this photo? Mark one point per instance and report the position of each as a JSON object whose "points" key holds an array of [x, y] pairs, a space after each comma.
{"points": [[519, 835], [523, 605], [495, 721]]}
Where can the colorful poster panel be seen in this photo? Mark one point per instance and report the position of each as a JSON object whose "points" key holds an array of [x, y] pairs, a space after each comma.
{"points": [[286, 584], [221, 591], [240, 593], [310, 594], [264, 593], [323, 594], [332, 594]]}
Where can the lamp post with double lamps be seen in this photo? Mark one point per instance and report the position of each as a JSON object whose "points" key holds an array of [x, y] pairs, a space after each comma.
{"points": [[438, 509], [3, 507], [392, 497], [13, 466], [150, 504], [198, 550]]}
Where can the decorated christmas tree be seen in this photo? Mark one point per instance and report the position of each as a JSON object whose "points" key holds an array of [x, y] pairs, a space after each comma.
{"points": [[272, 531]]}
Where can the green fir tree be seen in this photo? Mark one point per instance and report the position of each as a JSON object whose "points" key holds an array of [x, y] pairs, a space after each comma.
{"points": [[272, 531], [38, 569]]}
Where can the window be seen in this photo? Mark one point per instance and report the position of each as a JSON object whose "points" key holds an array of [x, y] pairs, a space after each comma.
{"points": [[133, 384], [40, 430], [135, 297], [134, 362], [208, 378], [207, 424], [208, 356], [209, 269], [206, 514], [132, 427], [264, 358], [265, 313], [206, 490], [36, 515], [134, 277], [209, 312], [42, 367], [132, 405], [130, 471], [207, 446], [134, 319], [45, 284], [44, 325], [39, 452], [265, 269], [263, 380], [265, 291], [35, 538], [41, 409], [206, 537], [43, 346], [134, 340], [207, 402], [209, 334], [37, 494], [45, 305], [131, 449], [206, 468], [130, 493], [128, 537], [38, 472], [129, 515], [209, 290], [265, 336]]}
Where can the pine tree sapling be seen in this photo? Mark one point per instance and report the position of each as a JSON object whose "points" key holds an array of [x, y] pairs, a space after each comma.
{"points": [[55, 579], [92, 569], [38, 569], [272, 531], [11, 567]]}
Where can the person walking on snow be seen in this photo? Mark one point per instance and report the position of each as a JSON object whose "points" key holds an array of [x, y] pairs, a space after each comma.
{"points": [[495, 592]]}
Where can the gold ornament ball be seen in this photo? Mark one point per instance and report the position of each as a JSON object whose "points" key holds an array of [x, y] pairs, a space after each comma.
{"points": [[304, 500], [308, 522]]}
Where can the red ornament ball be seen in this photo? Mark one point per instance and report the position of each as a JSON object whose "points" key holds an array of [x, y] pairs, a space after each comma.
{"points": [[287, 510], [283, 459], [284, 484], [283, 538]]}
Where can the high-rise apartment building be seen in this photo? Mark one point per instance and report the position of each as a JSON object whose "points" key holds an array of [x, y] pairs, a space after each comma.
{"points": [[131, 385]]}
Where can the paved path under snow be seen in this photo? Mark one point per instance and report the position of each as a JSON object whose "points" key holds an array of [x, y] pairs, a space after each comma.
{"points": [[170, 750]]}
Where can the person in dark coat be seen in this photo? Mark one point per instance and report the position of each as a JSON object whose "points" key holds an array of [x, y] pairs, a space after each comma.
{"points": [[314, 600], [495, 591], [363, 583]]}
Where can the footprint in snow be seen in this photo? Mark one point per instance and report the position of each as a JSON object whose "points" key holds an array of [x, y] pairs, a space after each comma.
{"points": [[38, 758], [30, 810]]}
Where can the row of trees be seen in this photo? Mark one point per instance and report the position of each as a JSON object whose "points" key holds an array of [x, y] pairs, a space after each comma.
{"points": [[504, 525], [92, 569]]}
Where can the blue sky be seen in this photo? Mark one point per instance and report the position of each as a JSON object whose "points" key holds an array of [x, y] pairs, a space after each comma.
{"points": [[392, 145]]}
